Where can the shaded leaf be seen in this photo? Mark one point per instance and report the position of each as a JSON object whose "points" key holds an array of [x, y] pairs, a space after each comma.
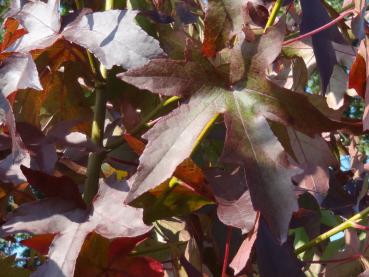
{"points": [[233, 197], [314, 16], [270, 253], [53, 186], [313, 155]]}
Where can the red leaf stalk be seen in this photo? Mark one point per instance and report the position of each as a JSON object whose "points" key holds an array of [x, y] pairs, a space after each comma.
{"points": [[322, 28], [226, 251]]}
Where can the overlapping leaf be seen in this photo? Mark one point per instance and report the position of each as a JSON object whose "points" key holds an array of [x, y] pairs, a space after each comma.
{"points": [[250, 142], [314, 16], [233, 197], [114, 38], [109, 218], [42, 22]]}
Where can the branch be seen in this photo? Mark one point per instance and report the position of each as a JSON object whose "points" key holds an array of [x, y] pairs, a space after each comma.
{"points": [[351, 222], [97, 132], [273, 14]]}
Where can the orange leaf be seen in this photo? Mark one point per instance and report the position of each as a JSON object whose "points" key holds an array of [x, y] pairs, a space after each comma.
{"points": [[187, 171], [357, 76], [12, 33], [136, 145]]}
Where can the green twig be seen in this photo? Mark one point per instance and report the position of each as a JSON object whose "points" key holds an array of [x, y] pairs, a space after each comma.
{"points": [[119, 141], [273, 15], [157, 249], [97, 132], [339, 228], [80, 4]]}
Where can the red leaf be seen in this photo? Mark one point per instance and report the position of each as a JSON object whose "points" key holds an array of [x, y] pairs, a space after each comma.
{"points": [[40, 243], [123, 246]]}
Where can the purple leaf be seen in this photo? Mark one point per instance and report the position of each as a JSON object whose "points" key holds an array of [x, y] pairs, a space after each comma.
{"points": [[314, 16], [72, 225], [270, 254]]}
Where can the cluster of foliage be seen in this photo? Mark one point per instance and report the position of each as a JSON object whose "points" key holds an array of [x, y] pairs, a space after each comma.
{"points": [[184, 138]]}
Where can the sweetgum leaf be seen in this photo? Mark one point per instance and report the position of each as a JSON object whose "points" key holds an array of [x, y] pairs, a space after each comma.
{"points": [[114, 38], [187, 171], [313, 155], [43, 154], [18, 72], [171, 77], [12, 33], [251, 143], [171, 140], [72, 225], [215, 19], [53, 186], [42, 22], [270, 254], [65, 100], [240, 260], [314, 16], [100, 256], [233, 197], [357, 76], [223, 19]]}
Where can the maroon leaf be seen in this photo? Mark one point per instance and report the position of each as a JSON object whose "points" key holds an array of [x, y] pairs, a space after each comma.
{"points": [[171, 77], [233, 197], [251, 143], [53, 186]]}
